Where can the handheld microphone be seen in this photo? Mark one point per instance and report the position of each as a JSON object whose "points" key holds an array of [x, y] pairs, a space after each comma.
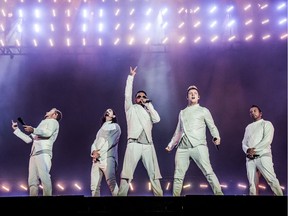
{"points": [[148, 101], [21, 121]]}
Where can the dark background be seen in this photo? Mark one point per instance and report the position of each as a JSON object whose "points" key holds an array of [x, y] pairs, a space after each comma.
{"points": [[230, 79]]}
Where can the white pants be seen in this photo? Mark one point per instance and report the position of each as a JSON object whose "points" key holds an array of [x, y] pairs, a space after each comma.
{"points": [[135, 152], [39, 172], [200, 155], [266, 167], [108, 169]]}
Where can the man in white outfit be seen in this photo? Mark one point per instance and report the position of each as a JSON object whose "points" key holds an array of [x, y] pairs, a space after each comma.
{"points": [[140, 118], [104, 153], [42, 138], [190, 140], [256, 145]]}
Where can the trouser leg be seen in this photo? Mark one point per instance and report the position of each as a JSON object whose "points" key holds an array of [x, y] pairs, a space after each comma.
{"points": [[200, 155], [124, 187], [33, 180], [182, 162], [177, 186]]}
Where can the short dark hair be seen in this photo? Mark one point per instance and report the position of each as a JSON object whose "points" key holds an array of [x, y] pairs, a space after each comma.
{"points": [[256, 107], [140, 91]]}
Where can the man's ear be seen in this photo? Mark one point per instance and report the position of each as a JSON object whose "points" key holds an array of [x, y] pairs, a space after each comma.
{"points": [[113, 116]]}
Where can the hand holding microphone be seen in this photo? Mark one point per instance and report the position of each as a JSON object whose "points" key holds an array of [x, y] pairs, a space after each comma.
{"points": [[95, 155], [27, 128], [216, 142], [145, 104]]}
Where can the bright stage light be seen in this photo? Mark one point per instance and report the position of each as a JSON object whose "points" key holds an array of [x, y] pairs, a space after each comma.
{"points": [[117, 23]]}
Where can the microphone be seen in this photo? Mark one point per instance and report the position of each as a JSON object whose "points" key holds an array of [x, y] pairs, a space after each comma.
{"points": [[21, 121], [217, 146], [148, 101]]}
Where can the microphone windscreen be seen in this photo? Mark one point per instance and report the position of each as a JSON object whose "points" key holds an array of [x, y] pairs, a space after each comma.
{"points": [[21, 120]]}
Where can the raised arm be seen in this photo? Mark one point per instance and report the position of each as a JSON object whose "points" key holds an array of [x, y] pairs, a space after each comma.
{"points": [[129, 88], [20, 134]]}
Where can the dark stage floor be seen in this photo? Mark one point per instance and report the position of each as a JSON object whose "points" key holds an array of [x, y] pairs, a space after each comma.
{"points": [[144, 205]]}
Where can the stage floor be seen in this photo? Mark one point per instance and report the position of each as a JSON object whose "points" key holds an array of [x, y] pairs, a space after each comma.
{"points": [[146, 205]]}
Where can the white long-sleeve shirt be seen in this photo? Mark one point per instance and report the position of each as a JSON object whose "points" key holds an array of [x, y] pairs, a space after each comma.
{"points": [[107, 139], [138, 119], [192, 122], [258, 135], [43, 137]]}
